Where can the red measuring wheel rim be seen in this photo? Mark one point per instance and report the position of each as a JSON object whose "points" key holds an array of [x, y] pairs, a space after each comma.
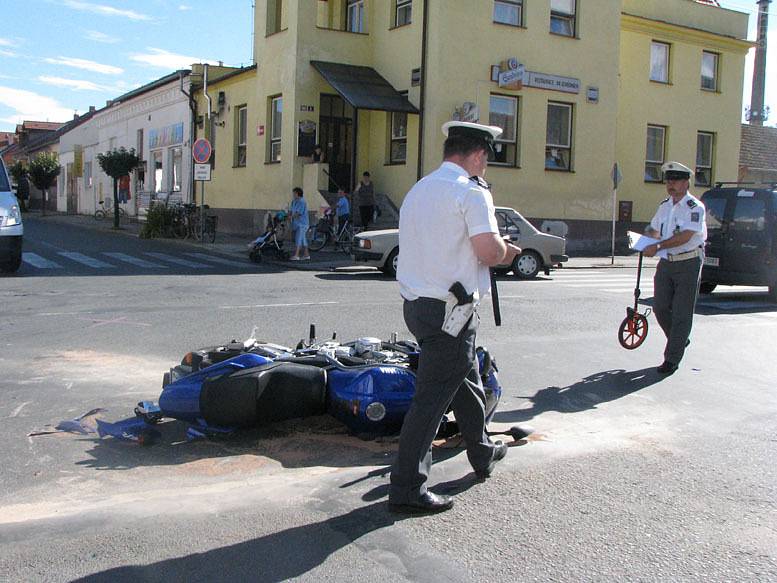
{"points": [[633, 331]]}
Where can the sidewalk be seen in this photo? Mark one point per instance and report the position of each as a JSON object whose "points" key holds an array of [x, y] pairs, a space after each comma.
{"points": [[236, 246]]}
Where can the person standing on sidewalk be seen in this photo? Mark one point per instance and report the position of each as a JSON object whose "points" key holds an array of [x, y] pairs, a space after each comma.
{"points": [[23, 192], [342, 210], [366, 197], [681, 229], [449, 237], [299, 225]]}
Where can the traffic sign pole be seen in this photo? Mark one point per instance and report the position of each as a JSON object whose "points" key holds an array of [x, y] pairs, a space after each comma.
{"points": [[201, 152]]}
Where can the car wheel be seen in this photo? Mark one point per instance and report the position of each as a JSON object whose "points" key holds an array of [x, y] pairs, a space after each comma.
{"points": [[527, 265], [707, 287], [390, 267], [12, 266]]}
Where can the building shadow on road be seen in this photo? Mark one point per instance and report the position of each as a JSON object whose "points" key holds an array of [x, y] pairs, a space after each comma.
{"points": [[583, 395], [278, 556]]}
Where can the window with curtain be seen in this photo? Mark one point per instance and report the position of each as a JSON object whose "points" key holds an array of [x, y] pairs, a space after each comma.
{"points": [[276, 119], [705, 142], [503, 112], [562, 17], [403, 12], [356, 17], [709, 71], [654, 153], [508, 12], [398, 138], [558, 142], [241, 135], [659, 62]]}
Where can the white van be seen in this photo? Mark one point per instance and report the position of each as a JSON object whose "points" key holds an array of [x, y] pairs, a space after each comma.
{"points": [[11, 229]]}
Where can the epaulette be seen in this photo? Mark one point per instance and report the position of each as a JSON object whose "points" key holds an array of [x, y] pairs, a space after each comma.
{"points": [[666, 199], [480, 182], [691, 203]]}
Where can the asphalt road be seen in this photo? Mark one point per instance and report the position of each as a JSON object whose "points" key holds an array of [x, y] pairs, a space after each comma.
{"points": [[630, 476]]}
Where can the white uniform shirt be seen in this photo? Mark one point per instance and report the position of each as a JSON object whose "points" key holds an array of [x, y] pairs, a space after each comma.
{"points": [[686, 215], [438, 217]]}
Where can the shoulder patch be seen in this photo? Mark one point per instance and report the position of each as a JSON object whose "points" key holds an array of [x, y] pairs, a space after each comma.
{"points": [[480, 182], [692, 203]]}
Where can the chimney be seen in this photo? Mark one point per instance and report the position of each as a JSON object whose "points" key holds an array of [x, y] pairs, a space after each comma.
{"points": [[92, 109], [757, 114]]}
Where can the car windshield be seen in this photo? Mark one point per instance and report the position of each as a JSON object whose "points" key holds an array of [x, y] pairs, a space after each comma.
{"points": [[4, 186], [509, 217]]}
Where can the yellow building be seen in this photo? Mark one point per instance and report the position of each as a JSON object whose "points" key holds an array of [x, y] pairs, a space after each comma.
{"points": [[577, 85]]}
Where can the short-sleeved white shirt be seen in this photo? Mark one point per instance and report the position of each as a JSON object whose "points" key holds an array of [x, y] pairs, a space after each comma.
{"points": [[438, 217], [686, 215]]}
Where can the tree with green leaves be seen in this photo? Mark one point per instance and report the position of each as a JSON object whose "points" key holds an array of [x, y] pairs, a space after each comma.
{"points": [[43, 172], [117, 164], [18, 171]]}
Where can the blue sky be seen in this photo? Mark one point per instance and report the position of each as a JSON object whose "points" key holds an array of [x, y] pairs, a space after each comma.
{"points": [[61, 56]]}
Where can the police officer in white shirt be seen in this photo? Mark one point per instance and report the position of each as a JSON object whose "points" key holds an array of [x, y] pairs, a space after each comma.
{"points": [[680, 227], [448, 235]]}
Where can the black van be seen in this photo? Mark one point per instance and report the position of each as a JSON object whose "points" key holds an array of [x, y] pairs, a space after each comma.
{"points": [[741, 244]]}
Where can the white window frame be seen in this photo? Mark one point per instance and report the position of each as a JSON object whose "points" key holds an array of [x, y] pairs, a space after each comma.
{"points": [[356, 16], [505, 140], [241, 136], [655, 75], [552, 150], [713, 86], [276, 123], [651, 163], [403, 12], [565, 18], [704, 166], [509, 7], [159, 181], [176, 169], [397, 138]]}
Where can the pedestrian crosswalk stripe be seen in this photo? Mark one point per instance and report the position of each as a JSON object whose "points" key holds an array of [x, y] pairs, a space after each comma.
{"points": [[40, 262], [219, 260], [86, 260], [136, 261], [178, 261], [624, 284]]}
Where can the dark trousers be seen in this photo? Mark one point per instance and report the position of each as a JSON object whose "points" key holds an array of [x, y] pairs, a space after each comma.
{"points": [[365, 213], [447, 375], [675, 287]]}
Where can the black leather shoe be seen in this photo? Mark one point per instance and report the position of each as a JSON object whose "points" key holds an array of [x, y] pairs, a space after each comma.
{"points": [[667, 368], [500, 451], [429, 503]]}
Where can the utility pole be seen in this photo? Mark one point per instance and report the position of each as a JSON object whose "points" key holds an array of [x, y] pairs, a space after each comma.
{"points": [[758, 113]]}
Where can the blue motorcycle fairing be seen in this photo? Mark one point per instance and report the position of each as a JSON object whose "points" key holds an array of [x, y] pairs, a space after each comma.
{"points": [[134, 429], [181, 399], [351, 391]]}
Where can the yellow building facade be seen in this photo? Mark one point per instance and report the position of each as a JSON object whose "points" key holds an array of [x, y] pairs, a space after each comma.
{"points": [[577, 85]]}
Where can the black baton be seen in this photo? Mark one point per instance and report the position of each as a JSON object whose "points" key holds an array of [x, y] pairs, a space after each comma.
{"points": [[495, 298]]}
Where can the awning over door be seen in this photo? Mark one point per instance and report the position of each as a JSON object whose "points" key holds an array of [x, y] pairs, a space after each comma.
{"points": [[363, 87]]}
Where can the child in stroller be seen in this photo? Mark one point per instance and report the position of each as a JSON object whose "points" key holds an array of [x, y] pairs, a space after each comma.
{"points": [[271, 241]]}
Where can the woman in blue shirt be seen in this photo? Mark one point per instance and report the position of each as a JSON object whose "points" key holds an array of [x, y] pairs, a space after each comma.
{"points": [[299, 225]]}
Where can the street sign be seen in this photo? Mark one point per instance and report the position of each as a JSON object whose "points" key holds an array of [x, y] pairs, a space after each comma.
{"points": [[201, 151], [202, 172], [616, 175]]}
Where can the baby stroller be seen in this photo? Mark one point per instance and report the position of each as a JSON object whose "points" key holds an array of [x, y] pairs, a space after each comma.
{"points": [[271, 241]]}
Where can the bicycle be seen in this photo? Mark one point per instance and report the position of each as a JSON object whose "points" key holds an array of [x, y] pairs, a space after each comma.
{"points": [[103, 211], [208, 231], [324, 231]]}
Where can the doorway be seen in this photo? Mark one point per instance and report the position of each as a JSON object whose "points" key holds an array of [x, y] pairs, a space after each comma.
{"points": [[336, 139]]}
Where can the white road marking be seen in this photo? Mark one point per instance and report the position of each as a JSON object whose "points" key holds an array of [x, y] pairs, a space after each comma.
{"points": [[19, 409], [136, 261], [41, 263], [178, 261], [219, 260], [86, 260], [279, 305], [624, 284]]}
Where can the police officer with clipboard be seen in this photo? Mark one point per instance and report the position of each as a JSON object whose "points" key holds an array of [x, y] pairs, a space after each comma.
{"points": [[680, 227], [448, 236]]}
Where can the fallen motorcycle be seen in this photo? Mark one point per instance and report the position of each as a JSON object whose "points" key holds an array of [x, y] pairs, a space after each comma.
{"points": [[367, 384]]}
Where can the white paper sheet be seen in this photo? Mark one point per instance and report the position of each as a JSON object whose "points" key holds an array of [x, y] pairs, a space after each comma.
{"points": [[640, 242]]}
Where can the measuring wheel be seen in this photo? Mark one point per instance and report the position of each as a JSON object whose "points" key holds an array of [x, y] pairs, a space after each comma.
{"points": [[633, 330]]}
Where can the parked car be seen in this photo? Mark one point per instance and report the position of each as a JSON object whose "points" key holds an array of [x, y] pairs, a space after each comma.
{"points": [[541, 251], [741, 246], [11, 229]]}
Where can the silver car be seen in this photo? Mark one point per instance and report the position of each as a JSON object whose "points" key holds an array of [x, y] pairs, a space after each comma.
{"points": [[540, 251]]}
